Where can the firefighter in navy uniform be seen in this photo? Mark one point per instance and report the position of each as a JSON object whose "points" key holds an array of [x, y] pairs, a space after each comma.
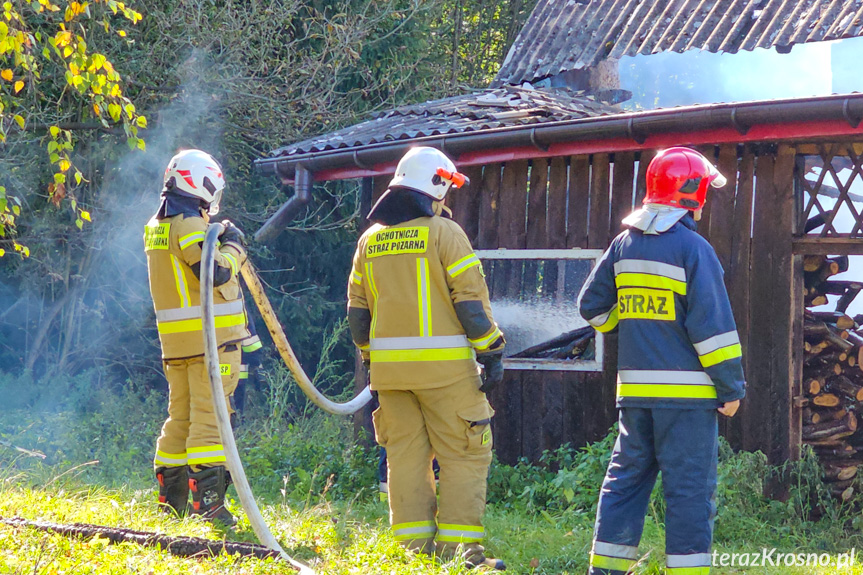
{"points": [[418, 309], [189, 451], [660, 285]]}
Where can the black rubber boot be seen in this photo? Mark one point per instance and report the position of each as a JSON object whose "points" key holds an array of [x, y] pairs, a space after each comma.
{"points": [[173, 489], [208, 488]]}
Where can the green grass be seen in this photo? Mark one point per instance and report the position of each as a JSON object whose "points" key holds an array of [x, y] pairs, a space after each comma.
{"points": [[336, 538], [351, 536], [317, 490]]}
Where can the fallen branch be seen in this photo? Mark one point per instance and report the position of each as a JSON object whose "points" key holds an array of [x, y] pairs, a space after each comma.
{"points": [[29, 452], [179, 546]]}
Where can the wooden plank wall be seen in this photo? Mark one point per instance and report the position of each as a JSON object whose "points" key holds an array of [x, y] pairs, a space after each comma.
{"points": [[578, 202], [546, 204], [750, 225]]}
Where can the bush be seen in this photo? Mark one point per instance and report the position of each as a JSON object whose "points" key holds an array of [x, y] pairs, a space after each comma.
{"points": [[565, 479], [80, 420], [314, 457]]}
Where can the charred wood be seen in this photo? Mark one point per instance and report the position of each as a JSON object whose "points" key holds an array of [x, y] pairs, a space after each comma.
{"points": [[561, 341], [180, 546]]}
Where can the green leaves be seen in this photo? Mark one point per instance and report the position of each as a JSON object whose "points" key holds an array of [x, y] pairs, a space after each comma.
{"points": [[10, 207], [48, 35]]}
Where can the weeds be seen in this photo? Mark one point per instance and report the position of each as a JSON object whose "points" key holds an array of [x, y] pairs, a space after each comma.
{"points": [[316, 486]]}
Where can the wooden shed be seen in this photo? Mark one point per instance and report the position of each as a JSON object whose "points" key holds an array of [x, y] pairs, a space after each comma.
{"points": [[554, 169]]}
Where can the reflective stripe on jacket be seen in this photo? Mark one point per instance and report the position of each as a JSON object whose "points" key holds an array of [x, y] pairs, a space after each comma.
{"points": [[410, 276], [665, 295], [173, 246]]}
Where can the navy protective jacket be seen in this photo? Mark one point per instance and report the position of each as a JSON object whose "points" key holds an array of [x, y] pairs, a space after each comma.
{"points": [[665, 295]]}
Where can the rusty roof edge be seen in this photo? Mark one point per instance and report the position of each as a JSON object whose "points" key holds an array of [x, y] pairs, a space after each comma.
{"points": [[741, 116]]}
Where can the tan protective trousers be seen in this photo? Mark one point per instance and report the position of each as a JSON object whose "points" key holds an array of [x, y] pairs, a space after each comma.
{"points": [[190, 435], [452, 424]]}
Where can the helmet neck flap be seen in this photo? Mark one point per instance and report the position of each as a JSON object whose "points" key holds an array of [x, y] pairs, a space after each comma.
{"points": [[175, 204], [399, 205]]}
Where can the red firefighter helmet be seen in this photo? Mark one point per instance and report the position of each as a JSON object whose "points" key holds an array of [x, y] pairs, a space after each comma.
{"points": [[679, 177]]}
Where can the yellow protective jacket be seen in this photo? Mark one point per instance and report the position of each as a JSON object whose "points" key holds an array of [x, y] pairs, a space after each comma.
{"points": [[411, 276], [173, 247]]}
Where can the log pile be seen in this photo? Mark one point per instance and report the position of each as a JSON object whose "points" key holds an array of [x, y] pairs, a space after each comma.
{"points": [[832, 373]]}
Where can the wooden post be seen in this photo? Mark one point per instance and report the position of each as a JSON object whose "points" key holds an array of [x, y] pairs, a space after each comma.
{"points": [[579, 199], [622, 189], [722, 206], [598, 225], [556, 214], [776, 312], [598, 237], [788, 332], [533, 382], [489, 207], [759, 430], [738, 430], [466, 203]]}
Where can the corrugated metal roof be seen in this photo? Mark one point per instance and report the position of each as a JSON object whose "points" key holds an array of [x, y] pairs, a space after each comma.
{"points": [[563, 35], [481, 110]]}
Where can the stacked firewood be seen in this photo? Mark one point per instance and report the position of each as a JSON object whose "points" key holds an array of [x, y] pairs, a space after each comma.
{"points": [[832, 373]]}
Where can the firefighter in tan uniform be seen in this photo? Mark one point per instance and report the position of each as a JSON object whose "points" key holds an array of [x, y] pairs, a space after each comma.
{"points": [[419, 311], [189, 451]]}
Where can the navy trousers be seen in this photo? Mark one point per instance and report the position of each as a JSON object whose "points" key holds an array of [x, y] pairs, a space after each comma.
{"points": [[684, 445]]}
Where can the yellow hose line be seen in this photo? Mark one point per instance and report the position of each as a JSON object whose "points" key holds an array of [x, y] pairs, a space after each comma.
{"points": [[288, 355]]}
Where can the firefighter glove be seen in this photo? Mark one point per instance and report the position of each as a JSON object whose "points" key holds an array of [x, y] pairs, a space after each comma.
{"points": [[232, 234], [492, 373]]}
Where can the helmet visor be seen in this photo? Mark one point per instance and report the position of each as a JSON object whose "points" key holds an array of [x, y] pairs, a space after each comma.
{"points": [[717, 180]]}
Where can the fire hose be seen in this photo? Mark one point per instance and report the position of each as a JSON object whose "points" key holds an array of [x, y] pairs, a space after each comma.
{"points": [[211, 357], [287, 353]]}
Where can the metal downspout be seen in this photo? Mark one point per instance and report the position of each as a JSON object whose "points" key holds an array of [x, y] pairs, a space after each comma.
{"points": [[302, 196]]}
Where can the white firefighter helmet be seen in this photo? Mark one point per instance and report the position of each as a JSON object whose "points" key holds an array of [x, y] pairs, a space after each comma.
{"points": [[195, 173], [427, 170]]}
